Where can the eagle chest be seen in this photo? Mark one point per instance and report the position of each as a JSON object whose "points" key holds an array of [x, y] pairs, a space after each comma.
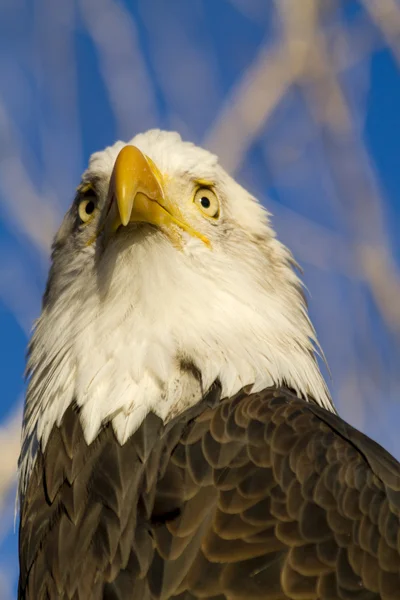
{"points": [[239, 501]]}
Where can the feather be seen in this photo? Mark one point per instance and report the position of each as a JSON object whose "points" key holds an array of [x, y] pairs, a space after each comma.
{"points": [[203, 528], [179, 440]]}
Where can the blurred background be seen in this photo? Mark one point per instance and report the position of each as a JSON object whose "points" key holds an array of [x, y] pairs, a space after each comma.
{"points": [[300, 99]]}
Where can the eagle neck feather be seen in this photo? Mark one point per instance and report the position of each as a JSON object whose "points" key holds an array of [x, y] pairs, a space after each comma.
{"points": [[120, 350]]}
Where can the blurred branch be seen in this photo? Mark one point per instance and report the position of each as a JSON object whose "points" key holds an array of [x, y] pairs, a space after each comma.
{"points": [[312, 243], [383, 278], [182, 56], [349, 162], [32, 214], [129, 86], [353, 42], [386, 15], [251, 9], [19, 291], [254, 98], [251, 102], [10, 442], [55, 75]]}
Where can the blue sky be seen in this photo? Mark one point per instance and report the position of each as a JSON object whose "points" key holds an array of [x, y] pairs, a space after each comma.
{"points": [[65, 91]]}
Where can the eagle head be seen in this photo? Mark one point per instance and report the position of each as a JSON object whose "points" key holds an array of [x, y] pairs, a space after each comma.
{"points": [[166, 277]]}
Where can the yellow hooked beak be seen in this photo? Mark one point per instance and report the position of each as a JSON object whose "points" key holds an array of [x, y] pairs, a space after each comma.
{"points": [[136, 195]]}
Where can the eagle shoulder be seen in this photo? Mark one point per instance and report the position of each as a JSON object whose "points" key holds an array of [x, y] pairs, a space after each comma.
{"points": [[256, 496]]}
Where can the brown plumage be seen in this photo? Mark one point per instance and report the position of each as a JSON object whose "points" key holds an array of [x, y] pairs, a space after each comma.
{"points": [[167, 452], [261, 496]]}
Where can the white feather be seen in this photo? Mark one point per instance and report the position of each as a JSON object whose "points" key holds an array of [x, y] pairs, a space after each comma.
{"points": [[113, 341]]}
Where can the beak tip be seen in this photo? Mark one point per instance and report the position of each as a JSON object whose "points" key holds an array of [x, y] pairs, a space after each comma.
{"points": [[125, 204]]}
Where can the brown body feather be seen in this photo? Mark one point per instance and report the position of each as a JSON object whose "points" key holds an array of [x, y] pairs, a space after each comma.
{"points": [[263, 496]]}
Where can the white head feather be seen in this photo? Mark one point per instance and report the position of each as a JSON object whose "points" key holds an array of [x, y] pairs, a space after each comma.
{"points": [[117, 325]]}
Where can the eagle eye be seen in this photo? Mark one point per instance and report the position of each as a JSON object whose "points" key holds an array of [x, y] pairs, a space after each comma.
{"points": [[87, 206], [207, 202]]}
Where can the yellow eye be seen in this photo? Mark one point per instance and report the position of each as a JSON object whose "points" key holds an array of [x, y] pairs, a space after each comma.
{"points": [[207, 201], [86, 208]]}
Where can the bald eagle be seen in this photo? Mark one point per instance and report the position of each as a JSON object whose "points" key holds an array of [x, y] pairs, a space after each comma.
{"points": [[179, 440]]}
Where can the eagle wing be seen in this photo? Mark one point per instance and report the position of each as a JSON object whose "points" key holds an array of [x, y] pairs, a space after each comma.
{"points": [[261, 496]]}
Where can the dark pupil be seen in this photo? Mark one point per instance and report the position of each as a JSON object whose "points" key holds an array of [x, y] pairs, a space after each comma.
{"points": [[89, 208], [205, 202]]}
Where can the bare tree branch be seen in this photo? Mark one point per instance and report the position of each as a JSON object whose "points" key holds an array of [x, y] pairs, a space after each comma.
{"points": [[10, 439], [129, 86], [386, 14], [33, 215], [350, 164], [250, 104]]}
